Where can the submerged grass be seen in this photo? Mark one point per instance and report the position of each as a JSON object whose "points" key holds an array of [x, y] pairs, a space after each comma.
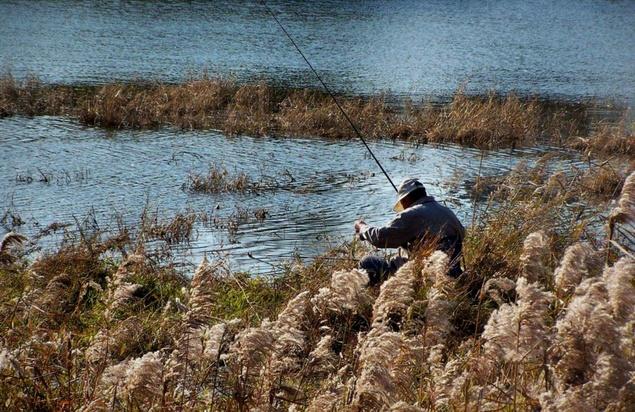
{"points": [[486, 121], [218, 179], [542, 319]]}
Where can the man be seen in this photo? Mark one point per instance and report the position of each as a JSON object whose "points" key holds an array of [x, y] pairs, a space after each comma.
{"points": [[420, 219]]}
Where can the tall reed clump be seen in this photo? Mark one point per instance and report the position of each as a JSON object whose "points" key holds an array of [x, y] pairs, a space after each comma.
{"points": [[487, 121], [30, 97], [543, 321], [608, 138]]}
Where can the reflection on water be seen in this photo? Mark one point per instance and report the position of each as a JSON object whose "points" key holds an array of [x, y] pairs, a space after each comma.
{"points": [[333, 182], [570, 48]]}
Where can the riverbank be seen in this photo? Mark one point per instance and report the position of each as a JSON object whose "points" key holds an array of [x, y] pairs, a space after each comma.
{"points": [[485, 121], [103, 323]]}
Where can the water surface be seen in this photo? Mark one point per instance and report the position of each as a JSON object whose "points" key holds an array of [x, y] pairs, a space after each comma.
{"points": [[567, 48], [326, 185]]}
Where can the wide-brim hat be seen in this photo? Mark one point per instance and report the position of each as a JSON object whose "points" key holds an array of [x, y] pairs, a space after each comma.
{"points": [[405, 188]]}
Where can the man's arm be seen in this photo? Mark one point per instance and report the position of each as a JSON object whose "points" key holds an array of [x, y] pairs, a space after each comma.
{"points": [[395, 234]]}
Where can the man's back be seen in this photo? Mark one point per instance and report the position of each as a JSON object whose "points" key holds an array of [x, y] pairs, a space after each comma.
{"points": [[426, 218]]}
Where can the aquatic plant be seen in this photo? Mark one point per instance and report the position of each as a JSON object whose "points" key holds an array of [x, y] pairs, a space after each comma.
{"points": [[218, 179]]}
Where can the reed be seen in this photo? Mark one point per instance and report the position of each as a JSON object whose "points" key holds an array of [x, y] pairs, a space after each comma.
{"points": [[486, 121], [548, 326]]}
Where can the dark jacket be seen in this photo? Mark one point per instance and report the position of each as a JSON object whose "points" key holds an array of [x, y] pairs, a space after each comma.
{"points": [[425, 219]]}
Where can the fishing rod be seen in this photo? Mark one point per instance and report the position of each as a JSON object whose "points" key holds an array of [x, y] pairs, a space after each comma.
{"points": [[348, 119]]}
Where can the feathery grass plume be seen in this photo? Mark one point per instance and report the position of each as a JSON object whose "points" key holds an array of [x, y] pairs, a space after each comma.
{"points": [[612, 372], [123, 271], [213, 341], [494, 286], [602, 392], [9, 241], [516, 338], [132, 382], [8, 363], [124, 293], [196, 356], [54, 295], [586, 328], [625, 210], [118, 290], [322, 359], [440, 305], [532, 258], [346, 292], [199, 346], [434, 368], [435, 269], [290, 338], [620, 284], [448, 382], [331, 397], [518, 332], [395, 296], [386, 360], [288, 351], [402, 406], [144, 378], [438, 314], [580, 261], [625, 398], [112, 382], [106, 343], [375, 387], [54, 299], [572, 400], [246, 358], [202, 293]]}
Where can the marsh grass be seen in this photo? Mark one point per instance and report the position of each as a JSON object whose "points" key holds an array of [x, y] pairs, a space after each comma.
{"points": [[524, 328], [218, 179], [485, 121], [593, 183], [608, 138]]}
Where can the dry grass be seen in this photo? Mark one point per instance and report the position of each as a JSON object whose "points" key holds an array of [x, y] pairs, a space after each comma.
{"points": [[488, 121], [30, 97], [593, 183], [219, 180], [536, 322], [608, 139]]}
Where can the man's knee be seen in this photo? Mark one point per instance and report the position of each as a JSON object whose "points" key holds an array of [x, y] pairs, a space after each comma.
{"points": [[377, 268]]}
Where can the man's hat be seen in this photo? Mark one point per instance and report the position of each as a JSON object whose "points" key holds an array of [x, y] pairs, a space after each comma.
{"points": [[405, 188]]}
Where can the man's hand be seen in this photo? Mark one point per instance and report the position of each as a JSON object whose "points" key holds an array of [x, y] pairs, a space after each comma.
{"points": [[360, 226]]}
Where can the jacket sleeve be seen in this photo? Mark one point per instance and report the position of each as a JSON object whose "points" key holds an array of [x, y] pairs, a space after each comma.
{"points": [[396, 233]]}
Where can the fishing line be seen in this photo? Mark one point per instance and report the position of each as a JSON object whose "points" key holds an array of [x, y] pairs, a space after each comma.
{"points": [[350, 122]]}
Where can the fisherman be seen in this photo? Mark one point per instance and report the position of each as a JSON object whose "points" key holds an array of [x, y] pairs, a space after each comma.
{"points": [[420, 219]]}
